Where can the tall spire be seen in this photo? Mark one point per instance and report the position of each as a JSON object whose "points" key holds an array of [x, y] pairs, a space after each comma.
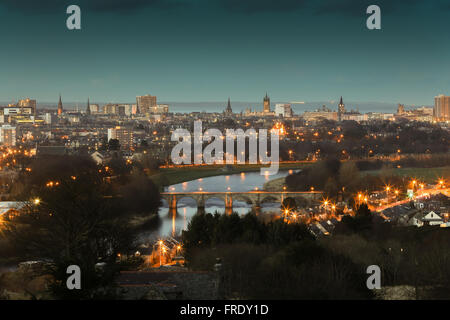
{"points": [[341, 109], [266, 103], [228, 110], [60, 106], [88, 109]]}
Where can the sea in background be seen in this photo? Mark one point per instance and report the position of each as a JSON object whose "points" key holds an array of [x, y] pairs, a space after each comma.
{"points": [[238, 106]]}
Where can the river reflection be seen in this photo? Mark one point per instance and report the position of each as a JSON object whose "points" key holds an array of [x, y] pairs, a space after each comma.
{"points": [[171, 225]]}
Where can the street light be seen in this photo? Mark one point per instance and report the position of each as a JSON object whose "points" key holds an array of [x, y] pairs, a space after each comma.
{"points": [[160, 254]]}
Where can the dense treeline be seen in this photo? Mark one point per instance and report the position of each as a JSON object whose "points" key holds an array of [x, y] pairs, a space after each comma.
{"points": [[417, 257], [366, 140], [335, 177], [272, 260], [282, 261]]}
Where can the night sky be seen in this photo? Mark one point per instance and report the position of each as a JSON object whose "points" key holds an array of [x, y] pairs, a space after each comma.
{"points": [[207, 50]]}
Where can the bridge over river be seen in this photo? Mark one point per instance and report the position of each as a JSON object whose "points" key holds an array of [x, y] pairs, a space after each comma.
{"points": [[255, 198]]}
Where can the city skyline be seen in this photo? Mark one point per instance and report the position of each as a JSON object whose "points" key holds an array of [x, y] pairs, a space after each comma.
{"points": [[188, 51]]}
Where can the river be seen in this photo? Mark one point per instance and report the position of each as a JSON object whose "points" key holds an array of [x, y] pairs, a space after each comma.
{"points": [[171, 225]]}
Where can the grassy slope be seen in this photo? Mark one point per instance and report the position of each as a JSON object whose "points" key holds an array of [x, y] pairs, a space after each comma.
{"points": [[429, 175], [169, 176]]}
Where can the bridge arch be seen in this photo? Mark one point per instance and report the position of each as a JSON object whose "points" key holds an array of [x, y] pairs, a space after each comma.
{"points": [[271, 199], [208, 201], [243, 198], [189, 198]]}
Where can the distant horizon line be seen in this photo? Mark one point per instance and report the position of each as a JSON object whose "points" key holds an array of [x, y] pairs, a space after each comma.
{"points": [[224, 101]]}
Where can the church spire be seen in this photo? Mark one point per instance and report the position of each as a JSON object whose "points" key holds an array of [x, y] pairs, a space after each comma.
{"points": [[88, 109], [341, 109], [60, 106], [228, 110]]}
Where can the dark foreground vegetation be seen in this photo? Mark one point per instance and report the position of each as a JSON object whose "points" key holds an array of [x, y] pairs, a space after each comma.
{"points": [[283, 261], [78, 213]]}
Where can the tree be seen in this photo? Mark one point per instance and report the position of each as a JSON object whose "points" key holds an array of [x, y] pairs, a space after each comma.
{"points": [[361, 222], [140, 195], [113, 144], [349, 176], [72, 218]]}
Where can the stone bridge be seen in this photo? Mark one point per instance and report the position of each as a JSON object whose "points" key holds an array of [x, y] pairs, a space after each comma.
{"points": [[255, 198]]}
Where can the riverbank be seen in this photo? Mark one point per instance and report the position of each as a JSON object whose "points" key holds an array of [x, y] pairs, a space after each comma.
{"points": [[275, 184], [427, 175], [170, 176]]}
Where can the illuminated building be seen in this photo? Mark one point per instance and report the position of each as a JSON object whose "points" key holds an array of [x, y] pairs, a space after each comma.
{"points": [[8, 135], [123, 135], [28, 103], [283, 110], [145, 103], [441, 111]]}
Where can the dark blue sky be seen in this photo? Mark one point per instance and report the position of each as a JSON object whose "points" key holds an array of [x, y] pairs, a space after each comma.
{"points": [[207, 50]]}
